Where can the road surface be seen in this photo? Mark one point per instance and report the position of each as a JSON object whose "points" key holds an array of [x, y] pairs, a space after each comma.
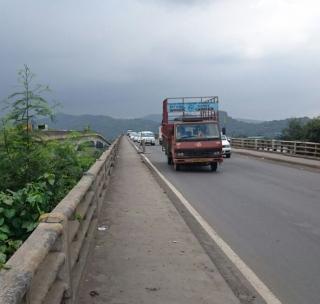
{"points": [[269, 213]]}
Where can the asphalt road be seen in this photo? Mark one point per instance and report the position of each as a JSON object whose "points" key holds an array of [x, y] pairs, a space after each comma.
{"points": [[269, 213]]}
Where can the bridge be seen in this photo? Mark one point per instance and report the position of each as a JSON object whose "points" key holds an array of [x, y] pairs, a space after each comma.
{"points": [[96, 139], [140, 232]]}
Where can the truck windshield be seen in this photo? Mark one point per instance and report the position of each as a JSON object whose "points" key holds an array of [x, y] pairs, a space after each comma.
{"points": [[203, 131]]}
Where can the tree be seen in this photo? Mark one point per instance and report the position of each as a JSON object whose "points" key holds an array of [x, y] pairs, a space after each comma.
{"points": [[294, 131], [27, 104], [312, 130], [22, 158]]}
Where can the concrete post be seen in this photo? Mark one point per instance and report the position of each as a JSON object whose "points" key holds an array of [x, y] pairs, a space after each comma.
{"points": [[65, 273]]}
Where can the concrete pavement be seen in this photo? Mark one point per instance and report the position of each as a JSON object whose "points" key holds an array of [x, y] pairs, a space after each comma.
{"points": [[143, 251], [268, 212]]}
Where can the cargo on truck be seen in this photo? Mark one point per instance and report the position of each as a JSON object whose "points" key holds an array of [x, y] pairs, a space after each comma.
{"points": [[190, 131]]}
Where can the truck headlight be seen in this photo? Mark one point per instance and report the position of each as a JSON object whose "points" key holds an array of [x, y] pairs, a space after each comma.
{"points": [[180, 154]]}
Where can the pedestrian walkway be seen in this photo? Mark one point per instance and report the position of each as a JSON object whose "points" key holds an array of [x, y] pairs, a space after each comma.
{"points": [[312, 163], [143, 251]]}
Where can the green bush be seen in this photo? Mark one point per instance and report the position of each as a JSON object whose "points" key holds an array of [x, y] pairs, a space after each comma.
{"points": [[21, 208], [34, 174]]}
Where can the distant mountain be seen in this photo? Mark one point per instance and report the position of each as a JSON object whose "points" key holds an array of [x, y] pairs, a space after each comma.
{"points": [[239, 127], [249, 120], [267, 129], [154, 117], [111, 127], [108, 126]]}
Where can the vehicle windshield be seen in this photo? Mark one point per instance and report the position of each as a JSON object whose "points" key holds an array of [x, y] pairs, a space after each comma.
{"points": [[147, 134], [223, 137], [203, 131]]}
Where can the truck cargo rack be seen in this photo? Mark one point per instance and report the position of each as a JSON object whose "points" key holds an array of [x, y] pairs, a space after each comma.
{"points": [[190, 109]]}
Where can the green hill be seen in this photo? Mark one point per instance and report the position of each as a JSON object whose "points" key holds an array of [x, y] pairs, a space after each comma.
{"points": [[111, 127], [245, 127]]}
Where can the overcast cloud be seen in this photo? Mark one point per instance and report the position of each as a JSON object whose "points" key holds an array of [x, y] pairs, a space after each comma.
{"points": [[121, 58]]}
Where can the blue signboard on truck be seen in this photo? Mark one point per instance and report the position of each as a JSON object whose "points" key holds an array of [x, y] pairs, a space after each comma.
{"points": [[192, 107]]}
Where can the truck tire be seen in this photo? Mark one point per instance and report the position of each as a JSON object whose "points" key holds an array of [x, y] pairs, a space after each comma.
{"points": [[176, 167], [214, 167], [228, 155]]}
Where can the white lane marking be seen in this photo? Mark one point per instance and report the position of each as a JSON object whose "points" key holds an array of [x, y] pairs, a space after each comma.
{"points": [[258, 285]]}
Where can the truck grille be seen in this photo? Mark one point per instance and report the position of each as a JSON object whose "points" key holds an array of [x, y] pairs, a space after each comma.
{"points": [[198, 153]]}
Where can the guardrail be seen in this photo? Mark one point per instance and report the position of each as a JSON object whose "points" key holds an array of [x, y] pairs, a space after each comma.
{"points": [[292, 148], [47, 267]]}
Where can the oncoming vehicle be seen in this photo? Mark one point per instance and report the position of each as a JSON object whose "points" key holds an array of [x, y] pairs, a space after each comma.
{"points": [[226, 147], [190, 131], [133, 135], [147, 137], [137, 137]]}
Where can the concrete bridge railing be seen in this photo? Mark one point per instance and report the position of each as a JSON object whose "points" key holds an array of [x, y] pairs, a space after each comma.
{"points": [[48, 266], [292, 148]]}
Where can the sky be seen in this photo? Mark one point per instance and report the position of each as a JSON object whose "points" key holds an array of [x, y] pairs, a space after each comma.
{"points": [[122, 58]]}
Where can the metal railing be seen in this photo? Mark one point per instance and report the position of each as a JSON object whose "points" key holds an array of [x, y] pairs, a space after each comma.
{"points": [[47, 267], [292, 148]]}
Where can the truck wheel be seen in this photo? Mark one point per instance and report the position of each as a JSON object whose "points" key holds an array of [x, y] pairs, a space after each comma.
{"points": [[214, 167], [169, 160], [176, 167], [228, 155]]}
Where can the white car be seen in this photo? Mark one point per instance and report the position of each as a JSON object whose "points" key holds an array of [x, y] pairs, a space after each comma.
{"points": [[147, 137], [133, 135], [226, 147], [136, 137]]}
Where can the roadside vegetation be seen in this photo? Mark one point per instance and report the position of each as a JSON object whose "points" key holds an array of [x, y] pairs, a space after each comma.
{"points": [[34, 174], [298, 131]]}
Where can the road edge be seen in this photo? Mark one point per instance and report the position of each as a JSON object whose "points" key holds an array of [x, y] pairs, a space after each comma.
{"points": [[241, 279]]}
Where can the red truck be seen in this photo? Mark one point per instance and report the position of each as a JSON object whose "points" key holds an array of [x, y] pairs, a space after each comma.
{"points": [[190, 131]]}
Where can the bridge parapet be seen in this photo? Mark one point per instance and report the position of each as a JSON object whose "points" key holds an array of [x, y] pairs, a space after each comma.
{"points": [[48, 266], [290, 148]]}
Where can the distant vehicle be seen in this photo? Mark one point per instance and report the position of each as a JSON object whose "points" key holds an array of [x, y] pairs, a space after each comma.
{"points": [[148, 138], [132, 135], [190, 131], [128, 132], [226, 147], [138, 137], [160, 136]]}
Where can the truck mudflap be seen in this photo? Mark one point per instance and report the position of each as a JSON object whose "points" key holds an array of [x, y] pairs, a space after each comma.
{"points": [[198, 161]]}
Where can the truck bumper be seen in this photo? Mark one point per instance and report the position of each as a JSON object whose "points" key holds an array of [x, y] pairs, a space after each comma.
{"points": [[198, 161]]}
